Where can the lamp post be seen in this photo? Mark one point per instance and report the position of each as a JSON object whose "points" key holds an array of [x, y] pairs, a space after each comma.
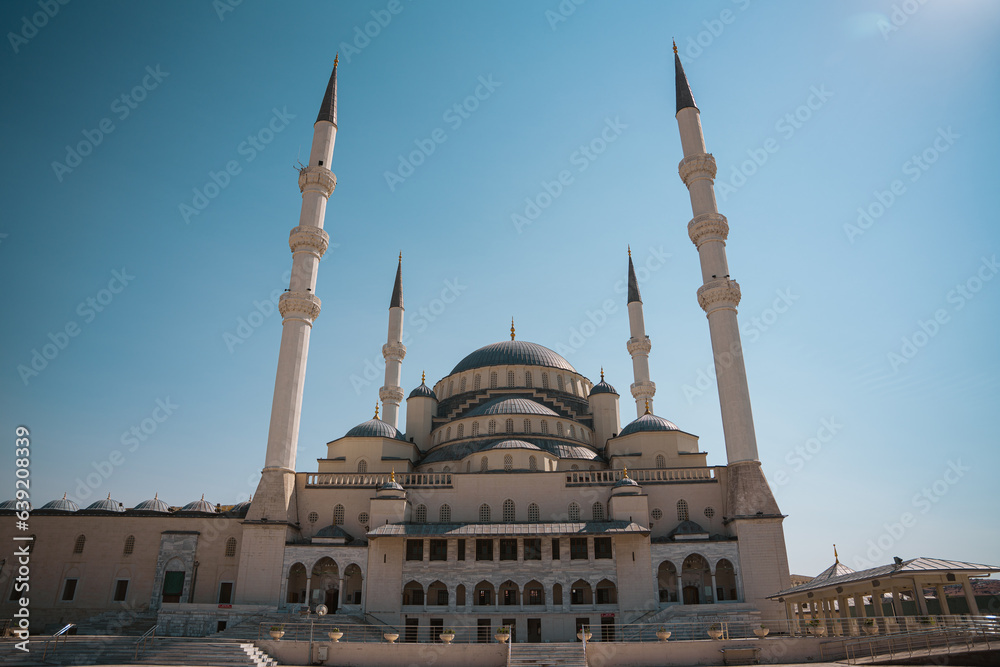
{"points": [[320, 611]]}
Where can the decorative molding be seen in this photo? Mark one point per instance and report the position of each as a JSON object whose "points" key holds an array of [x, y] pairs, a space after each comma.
{"points": [[639, 345], [646, 389], [309, 239], [718, 294], [694, 167], [708, 227], [304, 306], [394, 351], [391, 395], [317, 179]]}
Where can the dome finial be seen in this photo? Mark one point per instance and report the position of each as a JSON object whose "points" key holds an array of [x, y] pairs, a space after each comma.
{"points": [[109, 495], [392, 475], [376, 410], [836, 558], [647, 407], [629, 250], [64, 495], [336, 58], [203, 496], [675, 47], [602, 373], [512, 328], [423, 377], [626, 472]]}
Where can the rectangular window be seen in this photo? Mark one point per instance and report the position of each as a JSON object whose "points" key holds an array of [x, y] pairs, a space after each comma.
{"points": [[484, 549], [555, 548], [578, 548], [121, 590], [461, 550], [534, 596], [532, 549], [602, 547], [508, 549], [414, 549], [226, 592], [437, 627], [439, 549], [69, 590], [604, 596]]}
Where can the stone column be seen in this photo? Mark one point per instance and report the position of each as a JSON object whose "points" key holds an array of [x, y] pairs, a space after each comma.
{"points": [[308, 587], [970, 596], [715, 589], [680, 589], [897, 604], [942, 600], [918, 592]]}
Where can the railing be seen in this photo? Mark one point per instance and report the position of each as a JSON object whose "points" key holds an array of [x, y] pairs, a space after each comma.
{"points": [[409, 480], [647, 476], [148, 635], [917, 637], [55, 638], [365, 633]]}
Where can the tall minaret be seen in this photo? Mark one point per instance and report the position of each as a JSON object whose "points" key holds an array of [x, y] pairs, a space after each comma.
{"points": [[750, 507], [638, 346], [273, 513], [393, 352]]}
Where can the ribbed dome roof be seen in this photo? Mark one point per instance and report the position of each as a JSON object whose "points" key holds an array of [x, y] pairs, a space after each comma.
{"points": [[239, 509], [374, 428], [509, 405], [423, 390], [512, 353], [153, 505], [626, 481], [512, 444], [8, 505], [106, 505], [62, 505], [603, 387], [199, 506], [649, 422]]}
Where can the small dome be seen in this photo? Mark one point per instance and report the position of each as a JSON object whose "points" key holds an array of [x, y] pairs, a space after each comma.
{"points": [[107, 505], [62, 505], [648, 422], [199, 506], [625, 481], [375, 428], [423, 391], [512, 353], [508, 405], [687, 528], [512, 444], [239, 509], [8, 505], [334, 532], [153, 505], [603, 387]]}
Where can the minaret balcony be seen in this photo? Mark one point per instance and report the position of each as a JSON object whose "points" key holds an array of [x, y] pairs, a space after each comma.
{"points": [[639, 346], [719, 294], [394, 351], [695, 167], [309, 239], [708, 227], [317, 179], [303, 306], [392, 395]]}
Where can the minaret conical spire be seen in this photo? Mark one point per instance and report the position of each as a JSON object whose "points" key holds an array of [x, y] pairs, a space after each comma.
{"points": [[638, 345], [684, 97], [328, 109], [393, 352], [397, 288], [633, 284]]}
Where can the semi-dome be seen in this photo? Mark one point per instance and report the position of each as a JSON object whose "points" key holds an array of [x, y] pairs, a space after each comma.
{"points": [[649, 422], [513, 353], [513, 444], [509, 405], [62, 505], [199, 506], [375, 428], [153, 505], [107, 505]]}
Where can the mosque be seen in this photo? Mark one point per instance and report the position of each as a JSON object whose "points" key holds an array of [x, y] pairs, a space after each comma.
{"points": [[516, 494]]}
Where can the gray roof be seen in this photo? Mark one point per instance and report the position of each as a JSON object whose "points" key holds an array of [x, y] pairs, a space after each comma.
{"points": [[905, 569], [684, 97], [836, 570], [687, 528], [62, 505], [106, 505], [333, 532], [423, 390], [558, 448], [239, 509], [374, 428], [199, 506], [603, 387], [510, 405], [514, 444], [152, 505], [501, 529], [633, 284], [9, 505], [328, 108], [512, 353], [648, 422], [397, 288]]}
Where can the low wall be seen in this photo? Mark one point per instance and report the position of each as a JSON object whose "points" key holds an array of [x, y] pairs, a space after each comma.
{"points": [[775, 650], [387, 655], [200, 620]]}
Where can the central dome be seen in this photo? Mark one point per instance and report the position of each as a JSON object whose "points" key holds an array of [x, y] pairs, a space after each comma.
{"points": [[513, 353]]}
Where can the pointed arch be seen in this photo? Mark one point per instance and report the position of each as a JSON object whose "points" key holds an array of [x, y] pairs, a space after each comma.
{"points": [[461, 385], [420, 514], [533, 512], [461, 431], [598, 511], [362, 466], [338, 515], [682, 510], [81, 542], [508, 462], [661, 461], [231, 547]]}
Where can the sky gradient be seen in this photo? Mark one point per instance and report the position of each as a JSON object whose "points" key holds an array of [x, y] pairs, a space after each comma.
{"points": [[149, 153]]}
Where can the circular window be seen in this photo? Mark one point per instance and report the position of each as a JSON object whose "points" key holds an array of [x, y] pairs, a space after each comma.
{"points": [[363, 518], [657, 514], [709, 512], [313, 517]]}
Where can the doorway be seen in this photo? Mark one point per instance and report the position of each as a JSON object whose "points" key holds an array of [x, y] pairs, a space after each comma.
{"points": [[607, 629], [511, 624], [691, 595], [332, 596], [534, 631]]}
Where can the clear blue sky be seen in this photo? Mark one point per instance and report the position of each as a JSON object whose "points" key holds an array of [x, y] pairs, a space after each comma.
{"points": [[883, 87]]}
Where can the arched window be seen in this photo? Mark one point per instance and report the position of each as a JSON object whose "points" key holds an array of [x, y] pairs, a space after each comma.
{"points": [[510, 378], [545, 427], [484, 464], [682, 510], [559, 429], [338, 515], [574, 511], [598, 510], [493, 426], [484, 513], [447, 435], [477, 383], [420, 514], [508, 462], [532, 462], [533, 512], [508, 511], [468, 466], [572, 432], [545, 380], [81, 541], [461, 431], [461, 385], [510, 425], [527, 426], [460, 596], [129, 545], [231, 547], [451, 387], [574, 467], [493, 379], [475, 429], [527, 378], [444, 514], [559, 382], [362, 466], [430, 470], [661, 461], [446, 469]]}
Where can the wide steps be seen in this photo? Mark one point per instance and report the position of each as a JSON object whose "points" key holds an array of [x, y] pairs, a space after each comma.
{"points": [[90, 650], [547, 655]]}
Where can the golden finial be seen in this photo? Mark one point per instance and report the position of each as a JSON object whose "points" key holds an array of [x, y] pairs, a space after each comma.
{"points": [[392, 475], [109, 496], [64, 495], [647, 406], [630, 251], [400, 256], [376, 409], [626, 472], [835, 556], [203, 496], [512, 328], [675, 48], [602, 373], [423, 377], [336, 58]]}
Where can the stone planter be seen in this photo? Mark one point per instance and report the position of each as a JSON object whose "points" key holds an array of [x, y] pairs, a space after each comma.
{"points": [[715, 634], [447, 637], [580, 635], [335, 636], [818, 630], [663, 635], [501, 637], [761, 632], [276, 634], [391, 637], [871, 629]]}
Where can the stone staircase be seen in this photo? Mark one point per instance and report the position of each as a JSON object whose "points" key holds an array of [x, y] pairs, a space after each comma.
{"points": [[249, 628], [96, 650], [123, 622], [547, 655]]}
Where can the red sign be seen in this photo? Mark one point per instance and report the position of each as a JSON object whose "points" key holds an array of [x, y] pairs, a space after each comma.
{"points": [[606, 615], [225, 606]]}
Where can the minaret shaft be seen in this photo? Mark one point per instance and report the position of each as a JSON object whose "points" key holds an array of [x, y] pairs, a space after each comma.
{"points": [[639, 345], [394, 352]]}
